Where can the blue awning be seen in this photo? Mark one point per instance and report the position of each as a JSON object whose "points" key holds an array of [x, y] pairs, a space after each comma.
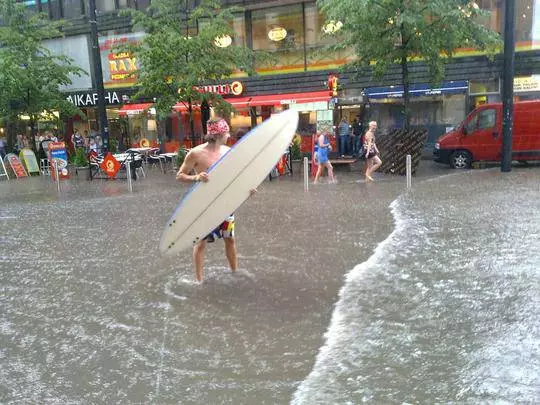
{"points": [[423, 89]]}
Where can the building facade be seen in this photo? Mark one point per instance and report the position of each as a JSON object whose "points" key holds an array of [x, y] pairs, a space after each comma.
{"points": [[305, 76]]}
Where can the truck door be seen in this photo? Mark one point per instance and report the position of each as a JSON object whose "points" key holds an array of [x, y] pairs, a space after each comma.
{"points": [[484, 135]]}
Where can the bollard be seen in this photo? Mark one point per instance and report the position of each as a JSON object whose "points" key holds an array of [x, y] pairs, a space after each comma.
{"points": [[408, 171], [57, 175], [128, 173], [306, 174]]}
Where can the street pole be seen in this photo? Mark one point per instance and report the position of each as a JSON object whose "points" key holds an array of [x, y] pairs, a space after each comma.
{"points": [[102, 113], [508, 86]]}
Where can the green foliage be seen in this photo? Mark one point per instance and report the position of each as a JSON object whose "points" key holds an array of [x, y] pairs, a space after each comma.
{"points": [[174, 58], [80, 159], [295, 150], [30, 75], [387, 32], [113, 145], [180, 156]]}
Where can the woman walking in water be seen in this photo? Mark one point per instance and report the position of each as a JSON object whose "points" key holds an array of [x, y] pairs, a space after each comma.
{"points": [[322, 154], [373, 162]]}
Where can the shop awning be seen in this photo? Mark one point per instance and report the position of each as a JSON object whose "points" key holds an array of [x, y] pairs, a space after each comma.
{"points": [[423, 89], [133, 109], [181, 107], [279, 99], [269, 100]]}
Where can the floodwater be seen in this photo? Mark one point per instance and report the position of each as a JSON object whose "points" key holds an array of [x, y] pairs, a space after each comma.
{"points": [[339, 298]]}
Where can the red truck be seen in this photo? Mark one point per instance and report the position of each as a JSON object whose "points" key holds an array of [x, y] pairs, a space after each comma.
{"points": [[479, 136]]}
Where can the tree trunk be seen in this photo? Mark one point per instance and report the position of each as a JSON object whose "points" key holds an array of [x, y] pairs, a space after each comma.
{"points": [[33, 135], [191, 123], [406, 99], [11, 136]]}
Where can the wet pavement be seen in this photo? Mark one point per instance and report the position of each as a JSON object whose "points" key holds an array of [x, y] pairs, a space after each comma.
{"points": [[445, 310]]}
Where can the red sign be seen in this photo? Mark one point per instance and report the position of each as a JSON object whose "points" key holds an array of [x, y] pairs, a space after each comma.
{"points": [[110, 165], [235, 88], [16, 165]]}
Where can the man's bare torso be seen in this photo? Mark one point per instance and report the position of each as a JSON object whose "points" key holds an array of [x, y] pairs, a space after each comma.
{"points": [[205, 156]]}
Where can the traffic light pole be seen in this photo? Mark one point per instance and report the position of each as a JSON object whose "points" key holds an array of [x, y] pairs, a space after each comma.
{"points": [[508, 86], [96, 56]]}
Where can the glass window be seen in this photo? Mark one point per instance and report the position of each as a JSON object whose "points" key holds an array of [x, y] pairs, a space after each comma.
{"points": [[316, 39], [237, 24], [141, 4], [31, 5], [105, 5], [53, 8], [472, 124], [484, 86], [72, 8], [280, 30], [487, 118]]}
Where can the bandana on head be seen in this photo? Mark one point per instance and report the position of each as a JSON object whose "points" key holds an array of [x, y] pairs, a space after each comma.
{"points": [[218, 127]]}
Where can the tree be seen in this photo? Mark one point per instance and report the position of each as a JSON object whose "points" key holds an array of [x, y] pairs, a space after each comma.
{"points": [[174, 57], [387, 32], [30, 76]]}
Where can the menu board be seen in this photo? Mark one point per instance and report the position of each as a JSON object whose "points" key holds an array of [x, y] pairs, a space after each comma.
{"points": [[29, 159], [16, 165], [58, 156], [3, 171]]}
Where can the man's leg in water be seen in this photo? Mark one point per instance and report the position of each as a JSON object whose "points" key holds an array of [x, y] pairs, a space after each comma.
{"points": [[198, 259], [230, 251]]}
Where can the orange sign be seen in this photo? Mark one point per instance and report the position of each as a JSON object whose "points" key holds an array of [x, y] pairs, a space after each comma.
{"points": [[333, 84], [16, 165], [110, 165]]}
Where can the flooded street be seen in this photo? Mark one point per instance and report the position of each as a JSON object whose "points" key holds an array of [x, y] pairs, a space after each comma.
{"points": [[339, 298]]}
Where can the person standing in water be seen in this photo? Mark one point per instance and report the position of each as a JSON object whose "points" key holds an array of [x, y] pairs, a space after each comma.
{"points": [[323, 161], [195, 169], [371, 152]]}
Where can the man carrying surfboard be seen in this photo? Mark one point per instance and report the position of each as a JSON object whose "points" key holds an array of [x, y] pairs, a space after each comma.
{"points": [[198, 161]]}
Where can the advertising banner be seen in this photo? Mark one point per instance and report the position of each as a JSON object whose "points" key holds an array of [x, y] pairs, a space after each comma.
{"points": [[110, 165], [28, 157], [3, 171], [16, 165], [58, 155]]}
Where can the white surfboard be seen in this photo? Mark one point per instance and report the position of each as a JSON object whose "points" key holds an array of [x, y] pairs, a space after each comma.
{"points": [[241, 169]]}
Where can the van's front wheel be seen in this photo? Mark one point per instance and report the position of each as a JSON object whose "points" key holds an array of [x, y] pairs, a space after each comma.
{"points": [[461, 159]]}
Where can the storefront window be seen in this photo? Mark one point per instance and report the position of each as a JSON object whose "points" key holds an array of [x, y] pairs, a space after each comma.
{"points": [[437, 114], [527, 21], [105, 5], [527, 24], [280, 31], [237, 25], [141, 4], [31, 5], [53, 8], [72, 8], [316, 39]]}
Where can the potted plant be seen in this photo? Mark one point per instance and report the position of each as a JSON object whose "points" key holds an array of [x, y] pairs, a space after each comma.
{"points": [[180, 156], [80, 161]]}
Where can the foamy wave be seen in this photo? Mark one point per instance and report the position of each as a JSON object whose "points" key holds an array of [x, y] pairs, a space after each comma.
{"points": [[339, 330]]}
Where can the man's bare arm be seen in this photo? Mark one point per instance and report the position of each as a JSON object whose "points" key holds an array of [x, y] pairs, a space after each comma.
{"points": [[184, 173]]}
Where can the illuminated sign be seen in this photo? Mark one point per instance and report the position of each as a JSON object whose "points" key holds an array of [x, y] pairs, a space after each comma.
{"points": [[277, 34], [235, 88], [527, 83], [121, 65], [90, 99]]}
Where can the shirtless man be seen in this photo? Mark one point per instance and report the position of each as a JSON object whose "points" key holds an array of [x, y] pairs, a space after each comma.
{"points": [[199, 160]]}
